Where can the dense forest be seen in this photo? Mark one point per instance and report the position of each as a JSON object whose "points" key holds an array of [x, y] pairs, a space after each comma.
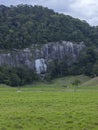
{"points": [[17, 76], [24, 25]]}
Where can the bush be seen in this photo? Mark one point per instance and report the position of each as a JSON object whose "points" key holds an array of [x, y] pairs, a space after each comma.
{"points": [[17, 76]]}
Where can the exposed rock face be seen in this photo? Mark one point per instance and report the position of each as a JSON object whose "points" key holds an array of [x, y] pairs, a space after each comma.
{"points": [[40, 66], [39, 58], [17, 58], [60, 49]]}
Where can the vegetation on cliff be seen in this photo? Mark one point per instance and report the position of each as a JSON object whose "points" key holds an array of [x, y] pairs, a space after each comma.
{"points": [[24, 25]]}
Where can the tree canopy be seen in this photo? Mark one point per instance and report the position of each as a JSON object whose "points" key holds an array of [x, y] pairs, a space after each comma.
{"points": [[23, 25]]}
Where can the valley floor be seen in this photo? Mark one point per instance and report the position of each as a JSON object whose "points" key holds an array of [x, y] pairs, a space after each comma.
{"points": [[49, 107], [49, 110]]}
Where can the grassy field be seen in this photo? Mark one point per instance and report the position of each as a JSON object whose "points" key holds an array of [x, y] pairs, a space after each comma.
{"points": [[49, 107], [90, 84]]}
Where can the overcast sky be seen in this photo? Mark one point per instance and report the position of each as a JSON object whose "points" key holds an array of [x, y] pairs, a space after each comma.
{"points": [[83, 9]]}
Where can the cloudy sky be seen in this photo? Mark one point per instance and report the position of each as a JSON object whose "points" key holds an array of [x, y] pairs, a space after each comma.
{"points": [[83, 9]]}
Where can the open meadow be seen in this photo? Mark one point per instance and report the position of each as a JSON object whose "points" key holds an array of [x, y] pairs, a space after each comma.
{"points": [[48, 108]]}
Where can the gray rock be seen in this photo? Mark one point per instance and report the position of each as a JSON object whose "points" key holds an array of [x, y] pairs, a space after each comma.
{"points": [[39, 58]]}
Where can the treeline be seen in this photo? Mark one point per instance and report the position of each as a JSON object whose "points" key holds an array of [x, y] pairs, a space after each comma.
{"points": [[86, 64], [23, 25], [17, 76]]}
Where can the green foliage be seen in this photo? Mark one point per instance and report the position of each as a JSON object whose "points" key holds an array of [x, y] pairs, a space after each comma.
{"points": [[23, 25], [76, 82], [16, 76], [84, 63], [95, 69], [57, 68]]}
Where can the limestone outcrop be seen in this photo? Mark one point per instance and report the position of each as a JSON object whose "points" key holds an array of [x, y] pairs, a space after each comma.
{"points": [[39, 57]]}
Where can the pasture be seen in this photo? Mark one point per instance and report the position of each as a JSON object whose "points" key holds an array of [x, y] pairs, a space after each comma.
{"points": [[48, 108]]}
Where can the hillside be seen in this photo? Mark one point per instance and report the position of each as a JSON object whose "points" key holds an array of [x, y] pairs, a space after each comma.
{"points": [[24, 25], [92, 83], [57, 84], [36, 41]]}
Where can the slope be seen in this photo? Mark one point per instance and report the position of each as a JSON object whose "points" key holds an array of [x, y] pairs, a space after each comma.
{"points": [[92, 83]]}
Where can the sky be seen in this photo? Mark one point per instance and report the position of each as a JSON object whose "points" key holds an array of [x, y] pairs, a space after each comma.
{"points": [[82, 9]]}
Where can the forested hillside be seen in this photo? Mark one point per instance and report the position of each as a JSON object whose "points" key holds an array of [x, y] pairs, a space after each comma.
{"points": [[23, 25]]}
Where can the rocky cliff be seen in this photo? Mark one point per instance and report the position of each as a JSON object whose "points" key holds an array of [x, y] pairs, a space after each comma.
{"points": [[39, 57]]}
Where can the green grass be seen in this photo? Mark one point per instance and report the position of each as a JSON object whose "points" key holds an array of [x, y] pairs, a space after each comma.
{"points": [[48, 111], [91, 84], [58, 84], [50, 106]]}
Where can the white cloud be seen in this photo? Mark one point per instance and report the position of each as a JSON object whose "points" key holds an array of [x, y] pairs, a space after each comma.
{"points": [[83, 9]]}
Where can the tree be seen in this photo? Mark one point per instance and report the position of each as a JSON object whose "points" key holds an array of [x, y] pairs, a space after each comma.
{"points": [[95, 69], [75, 84]]}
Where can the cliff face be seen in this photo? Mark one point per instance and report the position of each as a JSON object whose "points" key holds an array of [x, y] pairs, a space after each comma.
{"points": [[17, 58], [39, 58]]}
